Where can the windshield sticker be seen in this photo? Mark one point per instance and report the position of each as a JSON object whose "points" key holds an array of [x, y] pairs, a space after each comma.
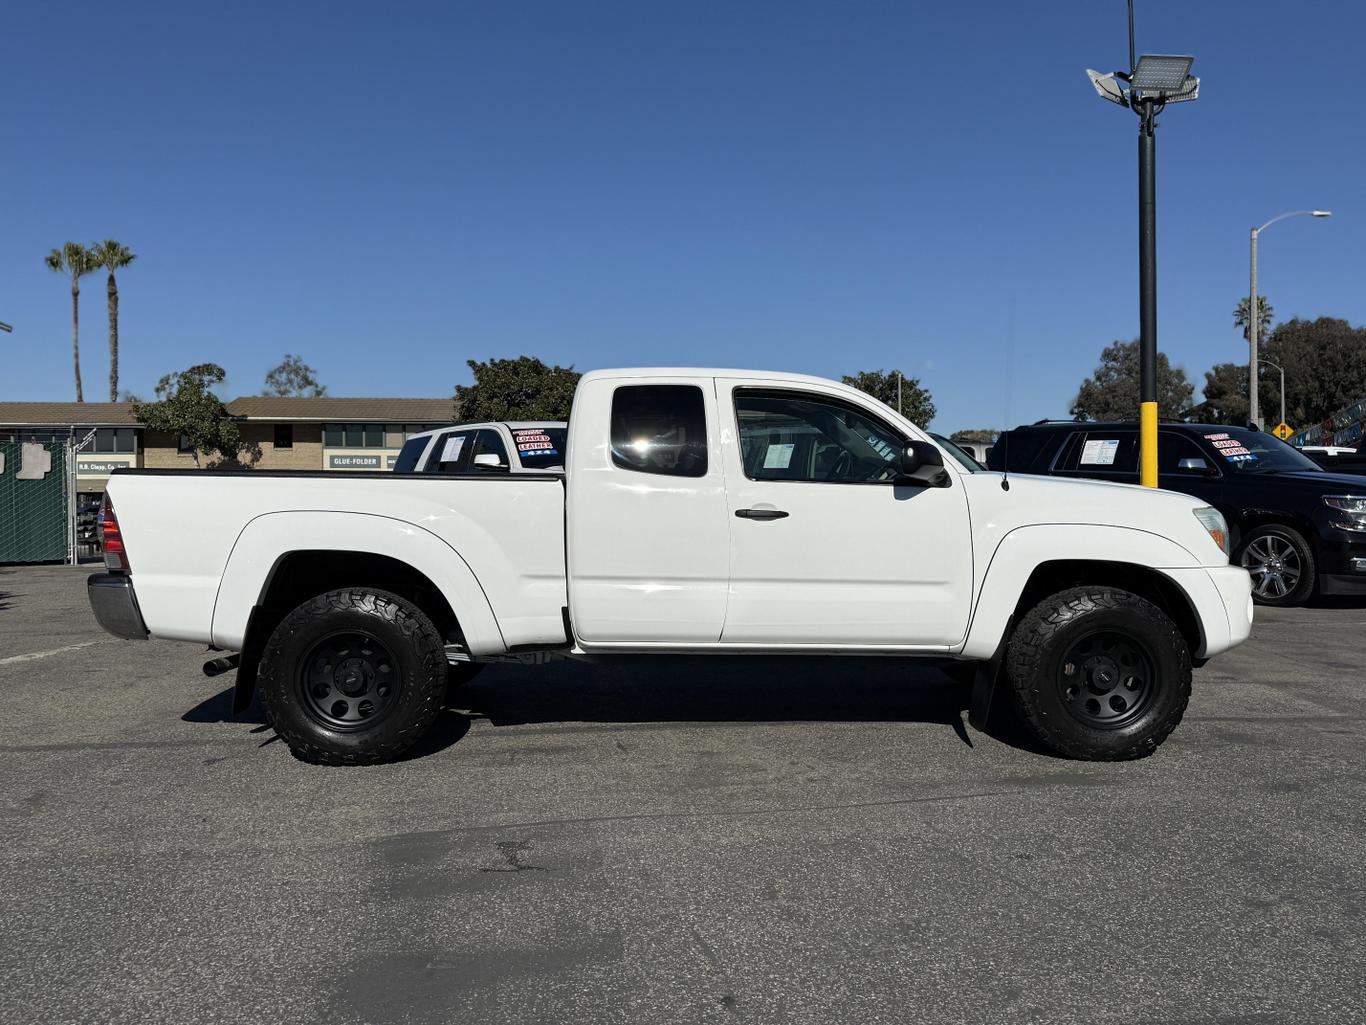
{"points": [[1216, 437], [451, 452], [779, 457], [1099, 452], [534, 443]]}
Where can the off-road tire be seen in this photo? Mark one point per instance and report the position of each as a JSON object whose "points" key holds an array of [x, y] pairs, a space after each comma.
{"points": [[419, 677], [1304, 586], [1053, 628]]}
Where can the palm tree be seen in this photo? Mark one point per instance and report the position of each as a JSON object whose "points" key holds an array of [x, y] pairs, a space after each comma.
{"points": [[113, 256], [75, 261], [1264, 315]]}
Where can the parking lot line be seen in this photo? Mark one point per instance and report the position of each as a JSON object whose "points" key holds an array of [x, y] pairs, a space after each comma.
{"points": [[45, 654]]}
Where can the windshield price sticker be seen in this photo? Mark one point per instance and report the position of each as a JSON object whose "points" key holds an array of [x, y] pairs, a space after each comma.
{"points": [[1099, 452]]}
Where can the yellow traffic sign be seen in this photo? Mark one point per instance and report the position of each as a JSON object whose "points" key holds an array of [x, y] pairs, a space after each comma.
{"points": [[1282, 430]]}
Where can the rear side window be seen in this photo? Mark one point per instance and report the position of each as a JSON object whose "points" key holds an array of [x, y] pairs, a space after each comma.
{"points": [[410, 454], [660, 428], [1101, 454]]}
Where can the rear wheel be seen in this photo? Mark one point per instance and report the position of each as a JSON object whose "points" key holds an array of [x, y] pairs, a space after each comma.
{"points": [[353, 677], [1281, 563], [1100, 674]]}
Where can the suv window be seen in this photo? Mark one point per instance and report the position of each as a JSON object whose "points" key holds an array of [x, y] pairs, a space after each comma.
{"points": [[799, 436], [1174, 449], [660, 428], [489, 443], [409, 455], [540, 449], [450, 454], [1112, 453]]}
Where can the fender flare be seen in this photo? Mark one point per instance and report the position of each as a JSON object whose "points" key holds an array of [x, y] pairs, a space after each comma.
{"points": [[1023, 550], [268, 538]]}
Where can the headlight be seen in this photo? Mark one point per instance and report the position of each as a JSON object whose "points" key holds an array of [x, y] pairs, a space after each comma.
{"points": [[1352, 509], [1213, 521]]}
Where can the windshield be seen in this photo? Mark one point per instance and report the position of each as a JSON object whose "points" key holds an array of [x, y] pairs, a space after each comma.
{"points": [[540, 448], [957, 453], [1245, 451]]}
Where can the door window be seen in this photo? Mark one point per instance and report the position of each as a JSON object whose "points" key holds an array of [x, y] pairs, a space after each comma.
{"points": [[804, 437], [489, 444], [660, 428], [451, 453], [1177, 454]]}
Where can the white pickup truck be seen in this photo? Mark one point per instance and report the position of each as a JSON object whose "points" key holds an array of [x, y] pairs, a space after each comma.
{"points": [[727, 512]]}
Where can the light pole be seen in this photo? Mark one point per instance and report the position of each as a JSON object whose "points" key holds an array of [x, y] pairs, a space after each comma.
{"points": [[1146, 88], [1277, 366], [1254, 317]]}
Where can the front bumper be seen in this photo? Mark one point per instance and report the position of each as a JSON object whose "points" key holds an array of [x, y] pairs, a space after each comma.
{"points": [[1222, 599], [1342, 567], [116, 605]]}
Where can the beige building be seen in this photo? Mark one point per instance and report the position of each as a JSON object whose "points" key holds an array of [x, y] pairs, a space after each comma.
{"points": [[284, 433]]}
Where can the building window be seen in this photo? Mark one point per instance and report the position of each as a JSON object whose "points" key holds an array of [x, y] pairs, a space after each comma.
{"points": [[284, 435], [115, 439], [353, 435]]}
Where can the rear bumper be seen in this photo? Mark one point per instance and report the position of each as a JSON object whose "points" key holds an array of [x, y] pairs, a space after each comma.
{"points": [[116, 605]]}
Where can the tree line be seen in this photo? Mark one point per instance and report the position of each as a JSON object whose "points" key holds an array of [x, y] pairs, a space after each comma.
{"points": [[1324, 362]]}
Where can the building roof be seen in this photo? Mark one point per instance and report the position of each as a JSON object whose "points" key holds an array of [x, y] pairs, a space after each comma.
{"points": [[248, 407], [66, 414], [328, 407]]}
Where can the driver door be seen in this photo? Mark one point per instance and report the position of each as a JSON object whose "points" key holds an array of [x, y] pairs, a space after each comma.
{"points": [[825, 548]]}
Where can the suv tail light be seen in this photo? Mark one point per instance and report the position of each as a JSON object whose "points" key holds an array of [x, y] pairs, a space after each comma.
{"points": [[111, 539]]}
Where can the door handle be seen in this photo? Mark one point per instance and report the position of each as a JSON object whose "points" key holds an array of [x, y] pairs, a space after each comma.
{"points": [[760, 514]]}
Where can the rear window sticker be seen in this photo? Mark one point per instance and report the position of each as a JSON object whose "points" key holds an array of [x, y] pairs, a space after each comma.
{"points": [[1099, 452]]}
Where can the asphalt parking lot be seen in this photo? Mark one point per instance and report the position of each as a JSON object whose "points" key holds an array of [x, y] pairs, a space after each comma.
{"points": [[764, 841]]}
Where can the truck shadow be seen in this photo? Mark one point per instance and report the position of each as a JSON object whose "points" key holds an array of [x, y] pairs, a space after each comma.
{"points": [[717, 690], [691, 690]]}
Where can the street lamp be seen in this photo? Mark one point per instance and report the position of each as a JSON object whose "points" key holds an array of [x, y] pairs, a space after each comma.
{"points": [[1254, 319], [1153, 81], [1277, 366]]}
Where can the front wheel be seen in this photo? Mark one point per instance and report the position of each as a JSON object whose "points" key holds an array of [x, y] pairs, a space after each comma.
{"points": [[1100, 674], [1281, 563], [353, 677]]}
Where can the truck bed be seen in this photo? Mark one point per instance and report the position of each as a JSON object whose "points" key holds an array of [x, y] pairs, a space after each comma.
{"points": [[203, 544]]}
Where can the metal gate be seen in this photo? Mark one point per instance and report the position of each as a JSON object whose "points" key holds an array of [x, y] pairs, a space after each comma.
{"points": [[35, 515]]}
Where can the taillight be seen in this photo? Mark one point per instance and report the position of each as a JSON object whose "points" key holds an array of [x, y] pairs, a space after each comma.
{"points": [[111, 539]]}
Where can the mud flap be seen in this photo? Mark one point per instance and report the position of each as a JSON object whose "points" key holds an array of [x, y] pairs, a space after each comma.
{"points": [[985, 680]]}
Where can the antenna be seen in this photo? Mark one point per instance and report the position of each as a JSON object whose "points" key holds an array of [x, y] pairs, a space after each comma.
{"points": [[1132, 62], [1005, 414]]}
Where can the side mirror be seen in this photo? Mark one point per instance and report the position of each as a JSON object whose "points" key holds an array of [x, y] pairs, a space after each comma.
{"points": [[489, 461], [922, 466], [1195, 465]]}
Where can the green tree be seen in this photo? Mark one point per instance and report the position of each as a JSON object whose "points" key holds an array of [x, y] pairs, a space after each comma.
{"points": [[977, 436], [112, 256], [516, 389], [186, 408], [1265, 312], [1111, 392], [75, 261], [294, 377], [1325, 368], [1225, 396], [916, 404]]}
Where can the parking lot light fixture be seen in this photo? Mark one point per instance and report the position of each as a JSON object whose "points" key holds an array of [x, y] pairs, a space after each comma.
{"points": [[1254, 319], [1152, 81]]}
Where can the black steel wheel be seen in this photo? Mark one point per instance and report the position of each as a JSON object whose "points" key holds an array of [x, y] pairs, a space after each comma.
{"points": [[353, 677], [348, 680], [1281, 563], [1099, 673], [1106, 680]]}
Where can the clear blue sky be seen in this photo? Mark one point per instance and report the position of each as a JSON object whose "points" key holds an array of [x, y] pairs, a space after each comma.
{"points": [[390, 189]]}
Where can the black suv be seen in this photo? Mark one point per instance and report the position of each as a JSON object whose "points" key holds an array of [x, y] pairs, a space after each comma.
{"points": [[1293, 525]]}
